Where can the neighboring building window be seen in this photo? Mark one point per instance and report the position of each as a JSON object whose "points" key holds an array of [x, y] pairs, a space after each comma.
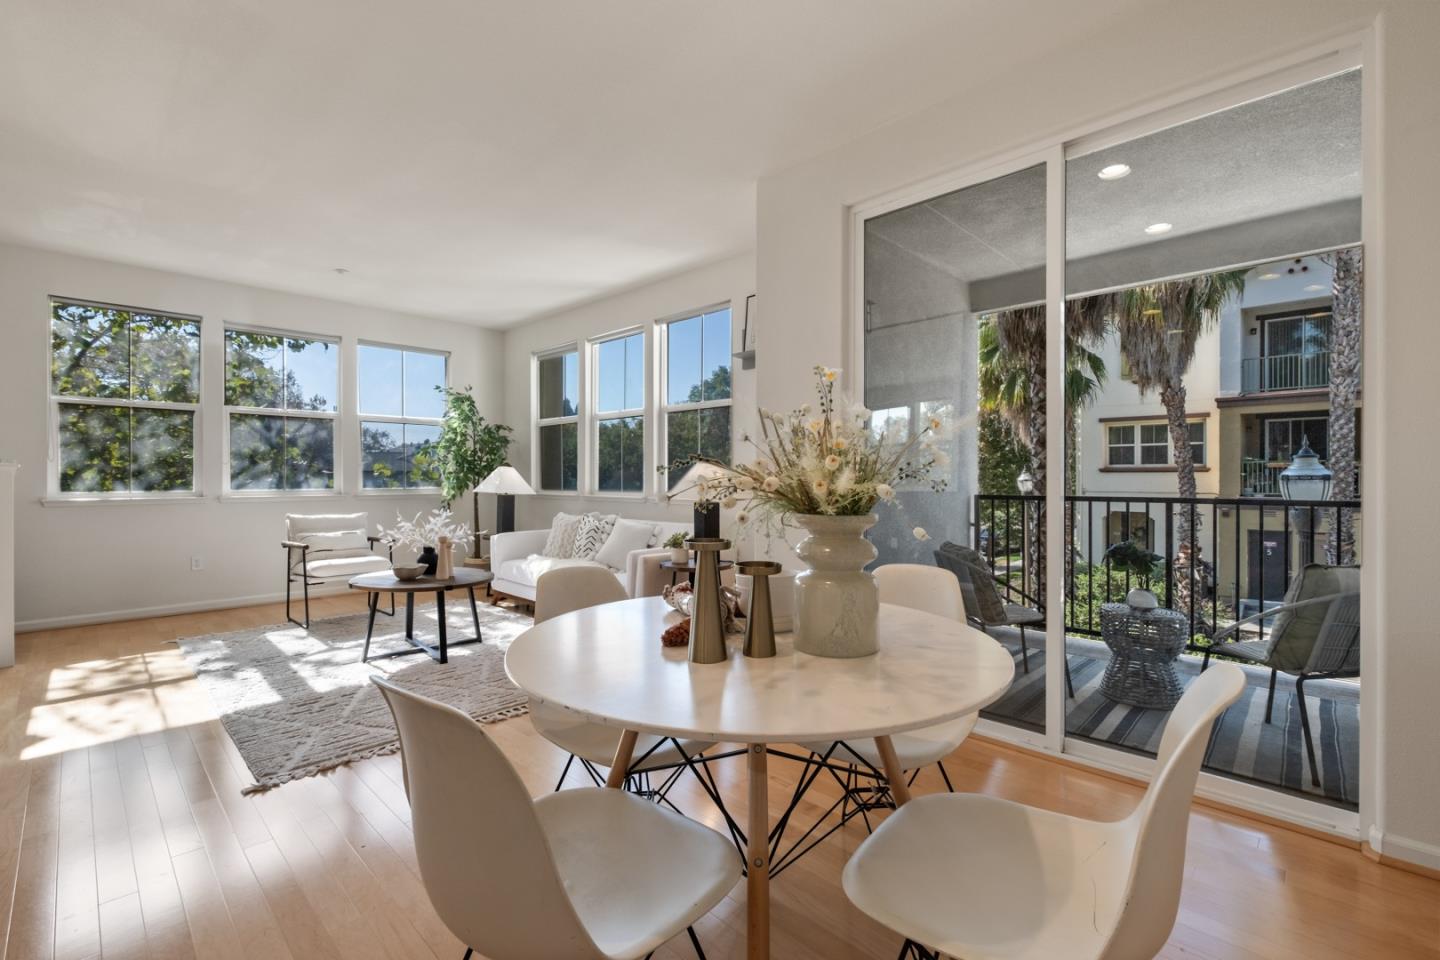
{"points": [[558, 425], [402, 401], [1122, 446], [1121, 526], [126, 387], [1153, 446], [892, 423], [1285, 435], [696, 391], [619, 365], [282, 396]]}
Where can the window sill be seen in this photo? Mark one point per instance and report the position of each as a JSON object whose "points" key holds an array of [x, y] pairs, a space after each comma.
{"points": [[398, 492], [154, 500], [271, 495], [1149, 469]]}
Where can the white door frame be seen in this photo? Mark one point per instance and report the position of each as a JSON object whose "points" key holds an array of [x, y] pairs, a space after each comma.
{"points": [[1326, 56]]}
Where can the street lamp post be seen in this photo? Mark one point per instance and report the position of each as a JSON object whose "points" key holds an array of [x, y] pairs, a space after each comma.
{"points": [[1305, 479]]}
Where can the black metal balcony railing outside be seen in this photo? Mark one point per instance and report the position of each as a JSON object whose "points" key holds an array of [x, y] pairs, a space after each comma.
{"points": [[1285, 371], [1250, 550]]}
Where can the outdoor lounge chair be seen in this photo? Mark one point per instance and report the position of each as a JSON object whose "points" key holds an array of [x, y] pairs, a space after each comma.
{"points": [[1314, 634], [985, 607]]}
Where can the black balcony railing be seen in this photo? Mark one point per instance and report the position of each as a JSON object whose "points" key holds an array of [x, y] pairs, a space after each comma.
{"points": [[1250, 548]]}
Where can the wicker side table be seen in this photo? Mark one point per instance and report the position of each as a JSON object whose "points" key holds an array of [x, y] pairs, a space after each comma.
{"points": [[1143, 647]]}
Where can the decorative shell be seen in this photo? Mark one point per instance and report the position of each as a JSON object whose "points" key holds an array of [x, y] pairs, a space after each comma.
{"points": [[677, 635]]}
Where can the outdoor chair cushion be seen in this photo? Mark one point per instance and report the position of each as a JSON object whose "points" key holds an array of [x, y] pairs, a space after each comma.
{"points": [[1015, 615], [1293, 633], [977, 588]]}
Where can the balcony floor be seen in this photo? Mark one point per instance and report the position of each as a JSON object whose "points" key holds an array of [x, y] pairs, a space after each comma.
{"points": [[1243, 746]]}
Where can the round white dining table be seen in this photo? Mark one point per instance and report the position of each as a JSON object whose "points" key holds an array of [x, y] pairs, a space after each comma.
{"points": [[606, 664]]}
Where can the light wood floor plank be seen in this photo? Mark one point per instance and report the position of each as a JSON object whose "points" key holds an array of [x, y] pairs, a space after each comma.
{"points": [[124, 834]]}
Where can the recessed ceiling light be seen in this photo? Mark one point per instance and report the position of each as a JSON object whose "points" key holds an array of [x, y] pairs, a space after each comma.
{"points": [[341, 271], [1314, 287], [1114, 171], [1269, 276], [1158, 228]]}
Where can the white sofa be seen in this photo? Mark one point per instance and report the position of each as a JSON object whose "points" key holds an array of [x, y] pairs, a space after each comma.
{"points": [[517, 563]]}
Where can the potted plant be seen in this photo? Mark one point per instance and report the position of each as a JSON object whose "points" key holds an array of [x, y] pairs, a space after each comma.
{"points": [[824, 469], [1130, 557], [676, 543], [468, 451], [433, 538]]}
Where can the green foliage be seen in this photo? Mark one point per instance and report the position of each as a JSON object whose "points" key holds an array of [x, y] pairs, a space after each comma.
{"points": [[675, 540], [468, 450], [620, 455], [1131, 557], [1002, 456]]}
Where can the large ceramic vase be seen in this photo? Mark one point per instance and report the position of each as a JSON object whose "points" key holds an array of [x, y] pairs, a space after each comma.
{"points": [[836, 600]]}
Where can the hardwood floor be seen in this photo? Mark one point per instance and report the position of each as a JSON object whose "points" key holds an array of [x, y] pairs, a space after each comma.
{"points": [[123, 834]]}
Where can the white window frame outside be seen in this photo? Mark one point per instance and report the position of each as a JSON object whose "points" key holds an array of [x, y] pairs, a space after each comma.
{"points": [[537, 421], [662, 385], [589, 481], [1137, 444], [362, 418], [331, 415], [57, 400]]}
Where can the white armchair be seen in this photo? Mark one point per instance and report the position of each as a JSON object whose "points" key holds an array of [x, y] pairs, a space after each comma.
{"points": [[323, 548]]}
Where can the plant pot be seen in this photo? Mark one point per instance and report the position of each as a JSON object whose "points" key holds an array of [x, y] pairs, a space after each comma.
{"points": [[1141, 599], [836, 601], [679, 555]]}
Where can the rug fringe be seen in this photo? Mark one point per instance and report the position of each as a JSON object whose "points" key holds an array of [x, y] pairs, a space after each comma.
{"points": [[384, 750]]}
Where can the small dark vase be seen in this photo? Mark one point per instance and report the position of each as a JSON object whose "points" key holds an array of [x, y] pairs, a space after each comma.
{"points": [[430, 558]]}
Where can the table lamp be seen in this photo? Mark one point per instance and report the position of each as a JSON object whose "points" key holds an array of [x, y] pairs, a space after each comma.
{"points": [[707, 514], [506, 483]]}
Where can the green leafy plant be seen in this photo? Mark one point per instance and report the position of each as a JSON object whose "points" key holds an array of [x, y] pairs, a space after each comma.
{"points": [[1128, 556], [675, 541], [469, 448]]}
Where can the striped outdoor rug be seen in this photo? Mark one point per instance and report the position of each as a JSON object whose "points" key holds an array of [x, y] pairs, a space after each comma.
{"points": [[1243, 744]]}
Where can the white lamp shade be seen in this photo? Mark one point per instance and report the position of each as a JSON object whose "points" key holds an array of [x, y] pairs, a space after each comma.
{"points": [[688, 489], [505, 479]]}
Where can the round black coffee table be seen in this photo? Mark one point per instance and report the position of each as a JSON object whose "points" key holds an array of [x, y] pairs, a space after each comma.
{"points": [[464, 578]]}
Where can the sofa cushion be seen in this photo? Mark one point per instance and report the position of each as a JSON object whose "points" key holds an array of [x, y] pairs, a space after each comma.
{"points": [[526, 571], [626, 537], [592, 533], [561, 542]]}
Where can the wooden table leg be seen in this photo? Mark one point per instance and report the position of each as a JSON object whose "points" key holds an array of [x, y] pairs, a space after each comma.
{"points": [[623, 755], [757, 881], [893, 774]]}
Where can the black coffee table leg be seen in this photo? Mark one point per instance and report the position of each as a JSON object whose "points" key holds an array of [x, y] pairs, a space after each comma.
{"points": [[409, 616], [475, 615], [440, 612], [370, 628]]}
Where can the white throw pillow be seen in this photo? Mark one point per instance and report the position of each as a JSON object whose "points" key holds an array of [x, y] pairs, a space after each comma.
{"points": [[561, 542], [628, 536], [591, 536]]}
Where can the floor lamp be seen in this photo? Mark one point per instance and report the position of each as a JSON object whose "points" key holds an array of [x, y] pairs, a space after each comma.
{"points": [[506, 483]]}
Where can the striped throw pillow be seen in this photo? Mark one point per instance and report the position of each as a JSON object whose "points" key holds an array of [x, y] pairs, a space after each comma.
{"points": [[594, 530]]}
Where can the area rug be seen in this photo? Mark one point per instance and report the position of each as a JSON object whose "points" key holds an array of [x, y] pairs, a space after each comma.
{"points": [[297, 702], [1242, 744]]}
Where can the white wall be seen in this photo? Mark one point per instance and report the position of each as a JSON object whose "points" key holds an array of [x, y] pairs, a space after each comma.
{"points": [[729, 280], [97, 561], [803, 258]]}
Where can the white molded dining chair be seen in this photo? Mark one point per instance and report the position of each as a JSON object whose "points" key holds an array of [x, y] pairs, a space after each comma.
{"points": [[932, 590], [517, 879], [565, 590], [980, 878]]}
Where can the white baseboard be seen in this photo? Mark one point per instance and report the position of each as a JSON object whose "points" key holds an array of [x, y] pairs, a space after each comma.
{"points": [[170, 610], [1392, 847]]}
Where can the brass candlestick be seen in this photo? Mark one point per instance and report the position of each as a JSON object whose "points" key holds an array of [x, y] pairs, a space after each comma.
{"points": [[759, 621], [707, 619]]}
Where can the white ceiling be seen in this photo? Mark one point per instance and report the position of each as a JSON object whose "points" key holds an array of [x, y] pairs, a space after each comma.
{"points": [[1295, 151], [479, 161]]}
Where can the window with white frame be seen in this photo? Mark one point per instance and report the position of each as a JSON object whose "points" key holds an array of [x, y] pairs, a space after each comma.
{"points": [[125, 385], [619, 413], [1148, 444], [696, 390], [402, 403], [282, 398], [557, 430]]}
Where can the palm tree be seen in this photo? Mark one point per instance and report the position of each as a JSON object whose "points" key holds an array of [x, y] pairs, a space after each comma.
{"points": [[1012, 384], [1348, 284], [1159, 325]]}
